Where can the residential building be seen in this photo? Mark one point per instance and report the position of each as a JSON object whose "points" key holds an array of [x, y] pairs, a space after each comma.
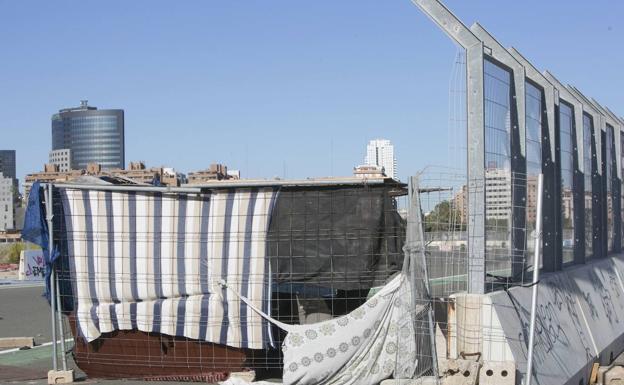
{"points": [[154, 175], [380, 152], [7, 206], [61, 158], [50, 173], [216, 171], [368, 171], [532, 195], [460, 203], [137, 173], [91, 136], [497, 194]]}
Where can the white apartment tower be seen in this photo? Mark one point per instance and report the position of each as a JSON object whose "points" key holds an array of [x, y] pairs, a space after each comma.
{"points": [[380, 152]]}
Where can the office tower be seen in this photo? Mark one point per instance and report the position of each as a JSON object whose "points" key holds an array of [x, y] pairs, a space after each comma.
{"points": [[90, 135]]}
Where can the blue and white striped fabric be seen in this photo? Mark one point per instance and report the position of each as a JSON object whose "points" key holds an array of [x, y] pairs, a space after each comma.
{"points": [[153, 261]]}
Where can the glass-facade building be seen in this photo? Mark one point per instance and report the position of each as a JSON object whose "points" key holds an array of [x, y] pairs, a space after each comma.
{"points": [[92, 135], [7, 166], [7, 163]]}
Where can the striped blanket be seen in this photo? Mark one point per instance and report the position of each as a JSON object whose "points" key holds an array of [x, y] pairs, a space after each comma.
{"points": [[153, 261]]}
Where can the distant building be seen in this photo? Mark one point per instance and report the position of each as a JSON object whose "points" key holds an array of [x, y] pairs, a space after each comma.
{"points": [[61, 158], [91, 136], [7, 205], [9, 196], [532, 194], [154, 175], [7, 164], [380, 152], [460, 203], [234, 174], [497, 194], [214, 172], [50, 173], [8, 169], [136, 173], [368, 171]]}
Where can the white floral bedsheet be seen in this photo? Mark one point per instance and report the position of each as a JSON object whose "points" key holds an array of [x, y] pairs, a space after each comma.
{"points": [[372, 343]]}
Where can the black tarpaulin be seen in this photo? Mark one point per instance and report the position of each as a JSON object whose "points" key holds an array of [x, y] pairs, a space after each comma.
{"points": [[336, 238]]}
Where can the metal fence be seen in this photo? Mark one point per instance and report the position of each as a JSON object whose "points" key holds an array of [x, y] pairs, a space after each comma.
{"points": [[150, 282]]}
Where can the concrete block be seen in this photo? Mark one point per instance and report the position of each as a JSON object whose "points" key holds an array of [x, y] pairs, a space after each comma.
{"points": [[619, 360], [498, 373], [60, 377], [249, 375], [459, 372], [16, 342], [611, 375], [419, 381]]}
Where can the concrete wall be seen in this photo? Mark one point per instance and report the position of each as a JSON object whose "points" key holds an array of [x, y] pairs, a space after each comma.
{"points": [[580, 320]]}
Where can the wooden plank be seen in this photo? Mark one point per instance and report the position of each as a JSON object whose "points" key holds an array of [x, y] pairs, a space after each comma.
{"points": [[16, 342]]}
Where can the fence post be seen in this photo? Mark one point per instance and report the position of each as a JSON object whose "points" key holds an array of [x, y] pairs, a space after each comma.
{"points": [[59, 314], [415, 238], [55, 282], [48, 204], [536, 271]]}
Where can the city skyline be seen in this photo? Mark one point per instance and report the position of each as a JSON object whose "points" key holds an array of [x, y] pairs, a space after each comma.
{"points": [[241, 92]]}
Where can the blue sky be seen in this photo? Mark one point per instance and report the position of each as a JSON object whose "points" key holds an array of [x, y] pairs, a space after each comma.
{"points": [[276, 87]]}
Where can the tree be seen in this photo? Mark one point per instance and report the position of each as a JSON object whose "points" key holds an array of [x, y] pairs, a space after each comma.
{"points": [[444, 217], [15, 250]]}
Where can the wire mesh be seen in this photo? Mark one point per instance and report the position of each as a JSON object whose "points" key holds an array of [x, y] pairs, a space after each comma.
{"points": [[509, 227], [141, 272]]}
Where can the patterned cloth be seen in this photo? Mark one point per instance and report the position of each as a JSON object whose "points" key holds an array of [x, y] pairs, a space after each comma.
{"points": [[364, 347], [149, 261]]}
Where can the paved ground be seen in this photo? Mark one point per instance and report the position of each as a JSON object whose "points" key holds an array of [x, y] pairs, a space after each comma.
{"points": [[24, 313]]}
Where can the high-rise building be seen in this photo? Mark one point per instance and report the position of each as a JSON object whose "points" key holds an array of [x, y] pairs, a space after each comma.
{"points": [[380, 152], [7, 164], [8, 172], [90, 135], [7, 203]]}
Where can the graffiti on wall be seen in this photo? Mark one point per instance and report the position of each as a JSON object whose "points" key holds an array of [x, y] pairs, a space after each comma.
{"points": [[32, 265]]}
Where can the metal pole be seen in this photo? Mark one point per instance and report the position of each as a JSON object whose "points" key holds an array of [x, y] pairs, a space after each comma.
{"points": [[59, 314], [536, 271], [48, 203]]}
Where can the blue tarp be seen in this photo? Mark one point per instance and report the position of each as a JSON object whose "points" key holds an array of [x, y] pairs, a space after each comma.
{"points": [[36, 230]]}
